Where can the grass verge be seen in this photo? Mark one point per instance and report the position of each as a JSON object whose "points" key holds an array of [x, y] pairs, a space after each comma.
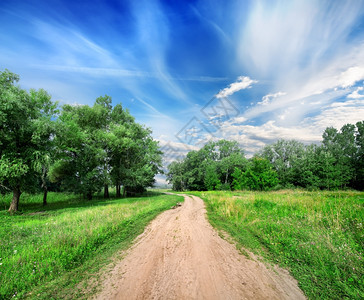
{"points": [[52, 252], [318, 236]]}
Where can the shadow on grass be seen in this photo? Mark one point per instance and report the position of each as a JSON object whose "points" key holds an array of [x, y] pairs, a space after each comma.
{"points": [[32, 205]]}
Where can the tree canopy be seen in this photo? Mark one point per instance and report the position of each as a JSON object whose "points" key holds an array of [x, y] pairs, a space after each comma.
{"points": [[82, 149], [336, 163], [26, 127], [209, 168]]}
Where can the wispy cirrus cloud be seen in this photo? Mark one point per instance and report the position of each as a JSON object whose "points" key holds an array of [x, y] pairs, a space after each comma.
{"points": [[112, 72], [68, 46], [307, 51], [281, 38], [215, 26], [153, 33]]}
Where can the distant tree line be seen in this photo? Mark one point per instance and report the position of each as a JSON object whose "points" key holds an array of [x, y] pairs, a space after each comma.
{"points": [[336, 163], [75, 148]]}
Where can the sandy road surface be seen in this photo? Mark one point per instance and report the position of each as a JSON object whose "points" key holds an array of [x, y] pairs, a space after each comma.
{"points": [[180, 256]]}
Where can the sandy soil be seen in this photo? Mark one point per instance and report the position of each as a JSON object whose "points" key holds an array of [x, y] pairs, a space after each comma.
{"points": [[180, 256]]}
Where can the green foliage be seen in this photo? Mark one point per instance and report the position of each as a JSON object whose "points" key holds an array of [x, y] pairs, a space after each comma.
{"points": [[317, 236], [209, 168], [358, 180], [25, 129], [239, 182], [13, 169], [285, 157], [177, 176], [259, 176], [211, 179], [337, 163], [80, 154], [46, 251], [83, 149]]}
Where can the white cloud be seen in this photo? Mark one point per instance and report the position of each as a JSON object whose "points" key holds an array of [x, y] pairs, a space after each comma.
{"points": [[337, 114], [238, 119], [305, 49], [174, 150], [351, 76], [280, 38], [252, 138], [307, 95], [243, 82], [160, 180], [270, 131], [355, 94], [308, 130], [268, 98]]}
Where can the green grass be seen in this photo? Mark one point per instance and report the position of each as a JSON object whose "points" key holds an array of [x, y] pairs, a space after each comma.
{"points": [[318, 236], [52, 252]]}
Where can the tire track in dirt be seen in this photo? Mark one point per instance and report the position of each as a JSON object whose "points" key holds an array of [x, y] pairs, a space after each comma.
{"points": [[180, 256]]}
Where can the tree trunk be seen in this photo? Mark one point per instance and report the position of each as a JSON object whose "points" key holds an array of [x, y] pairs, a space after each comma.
{"points": [[124, 191], [106, 192], [118, 194], [45, 192], [15, 201], [89, 195]]}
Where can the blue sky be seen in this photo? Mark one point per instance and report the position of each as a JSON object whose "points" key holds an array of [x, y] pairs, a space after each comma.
{"points": [[284, 69]]}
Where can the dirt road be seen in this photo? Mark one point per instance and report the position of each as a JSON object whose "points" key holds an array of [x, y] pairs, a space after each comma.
{"points": [[180, 256]]}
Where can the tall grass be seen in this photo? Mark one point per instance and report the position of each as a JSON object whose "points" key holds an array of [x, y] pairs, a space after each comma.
{"points": [[318, 236], [44, 250]]}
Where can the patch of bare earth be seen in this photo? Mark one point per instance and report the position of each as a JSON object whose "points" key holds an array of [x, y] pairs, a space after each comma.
{"points": [[180, 256]]}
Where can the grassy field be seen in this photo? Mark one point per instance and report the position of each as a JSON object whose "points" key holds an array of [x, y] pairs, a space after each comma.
{"points": [[318, 236], [51, 252]]}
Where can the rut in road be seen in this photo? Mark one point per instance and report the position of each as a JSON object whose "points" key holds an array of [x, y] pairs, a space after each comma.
{"points": [[180, 256]]}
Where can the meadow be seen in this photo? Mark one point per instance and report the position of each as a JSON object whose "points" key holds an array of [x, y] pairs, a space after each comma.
{"points": [[317, 236], [53, 252]]}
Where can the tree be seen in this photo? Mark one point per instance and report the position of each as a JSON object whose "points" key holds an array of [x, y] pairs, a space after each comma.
{"points": [[143, 160], [337, 157], [120, 129], [103, 105], [211, 179], [259, 175], [229, 163], [358, 180], [285, 157], [239, 180], [135, 157], [25, 133], [42, 164], [211, 167], [79, 166], [176, 175], [308, 168]]}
